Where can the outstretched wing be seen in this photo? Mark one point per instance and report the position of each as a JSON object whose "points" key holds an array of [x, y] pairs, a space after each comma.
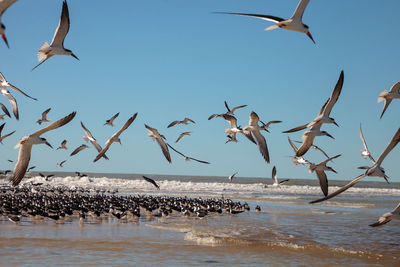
{"points": [[62, 28], [258, 16], [56, 124]]}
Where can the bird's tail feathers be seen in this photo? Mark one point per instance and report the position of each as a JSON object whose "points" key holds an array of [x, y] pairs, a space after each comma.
{"points": [[42, 51], [382, 95], [271, 27]]}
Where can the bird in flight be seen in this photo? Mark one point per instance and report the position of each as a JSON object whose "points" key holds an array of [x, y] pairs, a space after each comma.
{"points": [[56, 46], [294, 23], [151, 181], [387, 97], [185, 121], [44, 116], [111, 120], [155, 135], [26, 143], [4, 4]]}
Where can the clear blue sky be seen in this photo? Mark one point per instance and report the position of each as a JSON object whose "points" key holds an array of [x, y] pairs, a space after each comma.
{"points": [[172, 59]]}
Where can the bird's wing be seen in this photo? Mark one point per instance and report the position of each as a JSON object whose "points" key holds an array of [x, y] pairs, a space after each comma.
{"points": [[173, 123], [63, 143], [24, 156], [395, 140], [187, 119], [262, 144], [214, 115], [238, 107], [329, 159], [4, 4], [5, 136], [226, 104], [298, 13], [231, 119], [340, 190], [164, 149], [284, 181], [249, 136], [181, 136], [14, 104], [296, 128], [56, 124], [201, 161], [5, 110], [176, 150], [381, 221], [259, 16], [253, 121], [335, 95], [151, 181], [274, 178], [323, 181], [271, 122], [305, 146], [396, 210], [127, 124], [387, 103], [103, 151], [113, 118], [320, 149], [62, 28], [78, 149], [21, 92], [292, 145], [395, 88], [44, 114], [1, 127]]}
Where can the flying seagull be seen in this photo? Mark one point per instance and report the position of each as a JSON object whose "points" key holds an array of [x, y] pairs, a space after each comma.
{"points": [[316, 148], [63, 145], [365, 153], [375, 170], [323, 115], [151, 181], [387, 97], [5, 83], [186, 157], [293, 24], [111, 120], [182, 135], [387, 217], [254, 130], [61, 163], [26, 143], [44, 116], [56, 46], [78, 149], [232, 176], [89, 137], [275, 178], [115, 137], [185, 121], [5, 110], [4, 4], [229, 112], [155, 135]]}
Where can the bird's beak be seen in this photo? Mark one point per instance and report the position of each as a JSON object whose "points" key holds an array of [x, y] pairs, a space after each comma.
{"points": [[309, 35], [386, 178], [47, 143], [336, 123], [119, 141], [330, 136], [72, 54], [5, 39]]}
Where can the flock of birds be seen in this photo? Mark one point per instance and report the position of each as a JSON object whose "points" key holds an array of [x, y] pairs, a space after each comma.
{"points": [[253, 131]]}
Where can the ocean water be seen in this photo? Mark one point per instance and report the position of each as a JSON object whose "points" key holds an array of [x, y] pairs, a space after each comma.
{"points": [[287, 232]]}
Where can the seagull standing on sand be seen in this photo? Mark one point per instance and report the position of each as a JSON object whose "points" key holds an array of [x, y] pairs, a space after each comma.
{"points": [[26, 143], [89, 137], [63, 145], [387, 217], [44, 116], [155, 135], [185, 121], [387, 97], [293, 24], [4, 4], [375, 170], [111, 120], [115, 137], [254, 130], [56, 46]]}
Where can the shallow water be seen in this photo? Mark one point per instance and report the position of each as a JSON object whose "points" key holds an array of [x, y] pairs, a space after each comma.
{"points": [[288, 231]]}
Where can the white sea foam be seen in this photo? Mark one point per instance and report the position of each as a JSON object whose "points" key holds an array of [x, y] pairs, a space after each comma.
{"points": [[256, 190]]}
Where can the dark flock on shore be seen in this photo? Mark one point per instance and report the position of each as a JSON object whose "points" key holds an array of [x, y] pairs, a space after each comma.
{"points": [[59, 203], [18, 201]]}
